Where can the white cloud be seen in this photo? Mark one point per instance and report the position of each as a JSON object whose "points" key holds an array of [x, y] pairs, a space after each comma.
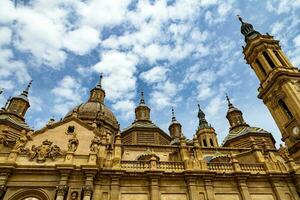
{"points": [[5, 36], [119, 69], [155, 74], [125, 107], [67, 94], [82, 40]]}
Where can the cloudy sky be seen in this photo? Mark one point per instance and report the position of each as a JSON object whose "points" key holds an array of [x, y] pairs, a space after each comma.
{"points": [[181, 52]]}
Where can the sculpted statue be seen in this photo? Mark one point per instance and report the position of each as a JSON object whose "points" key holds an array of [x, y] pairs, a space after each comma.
{"points": [[73, 143], [21, 142], [96, 141], [44, 151]]}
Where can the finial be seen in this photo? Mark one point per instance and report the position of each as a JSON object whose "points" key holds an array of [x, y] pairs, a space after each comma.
{"points": [[240, 18], [173, 114], [100, 80], [25, 92], [228, 100], [199, 107], [28, 86], [1, 90], [142, 101]]}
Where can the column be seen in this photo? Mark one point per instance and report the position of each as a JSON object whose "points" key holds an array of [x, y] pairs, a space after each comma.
{"points": [[3, 180], [154, 188], [208, 184], [278, 189], [88, 187], [115, 188], [191, 183], [243, 188], [62, 187]]}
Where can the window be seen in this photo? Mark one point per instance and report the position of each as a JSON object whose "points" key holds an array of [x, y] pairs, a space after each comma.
{"points": [[269, 60], [31, 198], [211, 142], [261, 67], [279, 57], [285, 108], [204, 143]]}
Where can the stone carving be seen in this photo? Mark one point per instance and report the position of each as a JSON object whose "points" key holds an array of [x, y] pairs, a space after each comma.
{"points": [[73, 143], [74, 195], [21, 142], [62, 190], [44, 151], [96, 141], [283, 152], [87, 190]]}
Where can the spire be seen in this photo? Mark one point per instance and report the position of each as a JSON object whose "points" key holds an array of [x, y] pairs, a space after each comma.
{"points": [[229, 103], [234, 116], [142, 101], [142, 111], [97, 94], [100, 81], [247, 29], [173, 115], [26, 91], [202, 121]]}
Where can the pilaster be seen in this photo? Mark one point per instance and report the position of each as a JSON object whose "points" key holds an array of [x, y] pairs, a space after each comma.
{"points": [[208, 184], [192, 189], [62, 188], [243, 188], [154, 188], [115, 188]]}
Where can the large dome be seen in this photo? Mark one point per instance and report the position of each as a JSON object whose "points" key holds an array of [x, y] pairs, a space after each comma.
{"points": [[90, 111], [95, 110]]}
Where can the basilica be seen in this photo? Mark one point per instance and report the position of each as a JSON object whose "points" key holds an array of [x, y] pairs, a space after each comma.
{"points": [[86, 156]]}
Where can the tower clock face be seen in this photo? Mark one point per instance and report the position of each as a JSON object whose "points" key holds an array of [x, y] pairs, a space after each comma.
{"points": [[296, 132]]}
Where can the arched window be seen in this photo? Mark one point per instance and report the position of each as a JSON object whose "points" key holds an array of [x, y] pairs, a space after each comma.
{"points": [[269, 60], [262, 69], [30, 194], [31, 198], [204, 143], [211, 142], [285, 109]]}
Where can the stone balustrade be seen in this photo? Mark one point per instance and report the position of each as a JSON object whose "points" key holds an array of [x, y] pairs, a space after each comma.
{"points": [[179, 166], [171, 166], [252, 167], [222, 167]]}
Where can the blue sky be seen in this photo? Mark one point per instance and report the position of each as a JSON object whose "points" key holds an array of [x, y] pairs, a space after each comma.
{"points": [[180, 52]]}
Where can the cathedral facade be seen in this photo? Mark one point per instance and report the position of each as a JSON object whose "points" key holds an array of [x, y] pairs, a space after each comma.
{"points": [[85, 155]]}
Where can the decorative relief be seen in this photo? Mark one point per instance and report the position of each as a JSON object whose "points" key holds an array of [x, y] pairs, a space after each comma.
{"points": [[74, 195], [87, 190], [46, 150], [21, 142], [62, 190], [95, 143], [73, 143], [296, 84]]}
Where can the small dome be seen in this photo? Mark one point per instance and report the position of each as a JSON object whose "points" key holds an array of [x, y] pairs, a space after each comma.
{"points": [[90, 111]]}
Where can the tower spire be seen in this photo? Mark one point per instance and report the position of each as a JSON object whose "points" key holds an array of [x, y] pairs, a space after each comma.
{"points": [[247, 30], [100, 80], [97, 94], [26, 91], [173, 115], [228, 101], [142, 101], [202, 121]]}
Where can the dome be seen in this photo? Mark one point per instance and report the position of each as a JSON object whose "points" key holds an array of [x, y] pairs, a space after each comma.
{"points": [[90, 111]]}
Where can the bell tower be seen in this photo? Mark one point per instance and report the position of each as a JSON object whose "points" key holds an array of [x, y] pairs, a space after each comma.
{"points": [[279, 83]]}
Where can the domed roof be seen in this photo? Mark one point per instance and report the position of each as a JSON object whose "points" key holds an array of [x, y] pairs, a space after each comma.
{"points": [[90, 111], [94, 109]]}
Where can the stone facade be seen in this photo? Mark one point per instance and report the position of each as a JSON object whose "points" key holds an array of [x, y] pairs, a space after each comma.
{"points": [[85, 156]]}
